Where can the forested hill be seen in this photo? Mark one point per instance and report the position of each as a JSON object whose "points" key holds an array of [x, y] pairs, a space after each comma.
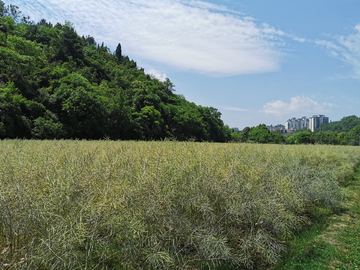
{"points": [[346, 124], [56, 84]]}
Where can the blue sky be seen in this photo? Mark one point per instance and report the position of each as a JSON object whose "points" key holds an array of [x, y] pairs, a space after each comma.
{"points": [[256, 61]]}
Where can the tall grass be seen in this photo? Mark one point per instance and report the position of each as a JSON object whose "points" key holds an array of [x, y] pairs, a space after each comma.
{"points": [[140, 205]]}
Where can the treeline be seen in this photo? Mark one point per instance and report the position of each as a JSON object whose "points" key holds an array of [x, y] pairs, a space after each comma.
{"points": [[56, 84], [344, 132], [259, 134]]}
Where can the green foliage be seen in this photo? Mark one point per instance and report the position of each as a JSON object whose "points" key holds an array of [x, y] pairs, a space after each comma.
{"points": [[352, 138], [7, 25], [328, 137], [12, 105], [356, 129], [46, 129], [305, 137], [276, 137], [326, 134], [91, 93], [259, 134], [346, 124], [325, 137], [237, 137], [290, 140], [2, 130]]}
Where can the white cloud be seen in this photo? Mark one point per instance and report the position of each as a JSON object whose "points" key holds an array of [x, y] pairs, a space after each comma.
{"points": [[158, 75], [229, 108], [297, 106], [188, 35], [346, 48], [267, 29], [302, 40]]}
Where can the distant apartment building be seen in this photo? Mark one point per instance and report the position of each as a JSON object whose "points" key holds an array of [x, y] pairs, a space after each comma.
{"points": [[279, 128], [297, 123], [316, 121], [311, 123]]}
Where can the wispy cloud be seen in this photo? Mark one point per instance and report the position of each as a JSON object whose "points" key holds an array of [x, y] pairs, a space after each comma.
{"points": [[346, 48], [187, 35], [229, 108], [297, 106]]}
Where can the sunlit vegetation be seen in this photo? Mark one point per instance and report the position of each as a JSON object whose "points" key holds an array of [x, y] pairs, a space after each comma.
{"points": [[56, 84], [141, 205], [343, 132], [72, 204], [332, 240]]}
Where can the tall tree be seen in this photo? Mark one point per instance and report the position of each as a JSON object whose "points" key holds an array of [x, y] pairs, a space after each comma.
{"points": [[118, 52], [2, 9], [169, 86]]}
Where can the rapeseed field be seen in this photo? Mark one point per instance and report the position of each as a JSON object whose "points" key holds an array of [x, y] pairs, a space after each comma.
{"points": [[160, 205]]}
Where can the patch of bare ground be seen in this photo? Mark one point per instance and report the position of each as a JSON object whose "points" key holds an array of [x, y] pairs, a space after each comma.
{"points": [[334, 264], [337, 224], [341, 222]]}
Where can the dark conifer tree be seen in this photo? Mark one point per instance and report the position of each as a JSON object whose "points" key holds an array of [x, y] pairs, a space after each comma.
{"points": [[118, 52]]}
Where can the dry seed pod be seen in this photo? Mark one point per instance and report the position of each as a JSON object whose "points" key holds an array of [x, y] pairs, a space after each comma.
{"points": [[6, 248]]}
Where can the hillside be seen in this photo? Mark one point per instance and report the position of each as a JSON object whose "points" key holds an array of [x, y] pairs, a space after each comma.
{"points": [[56, 84], [346, 124]]}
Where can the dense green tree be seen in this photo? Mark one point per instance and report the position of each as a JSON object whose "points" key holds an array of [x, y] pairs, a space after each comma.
{"points": [[46, 129], [356, 129], [79, 108], [303, 137], [328, 137], [276, 137], [12, 105], [237, 136], [352, 136], [260, 134], [290, 140], [245, 132], [169, 86]]}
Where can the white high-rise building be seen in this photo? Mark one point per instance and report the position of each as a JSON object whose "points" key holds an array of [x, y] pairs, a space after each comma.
{"points": [[290, 124], [311, 123], [317, 120]]}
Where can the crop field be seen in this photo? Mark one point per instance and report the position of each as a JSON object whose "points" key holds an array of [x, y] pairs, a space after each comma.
{"points": [[160, 205]]}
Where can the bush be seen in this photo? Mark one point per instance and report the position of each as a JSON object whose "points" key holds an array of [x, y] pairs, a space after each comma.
{"points": [[46, 129]]}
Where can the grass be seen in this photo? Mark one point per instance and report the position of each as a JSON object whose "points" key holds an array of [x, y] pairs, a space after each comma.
{"points": [[332, 241], [163, 205]]}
